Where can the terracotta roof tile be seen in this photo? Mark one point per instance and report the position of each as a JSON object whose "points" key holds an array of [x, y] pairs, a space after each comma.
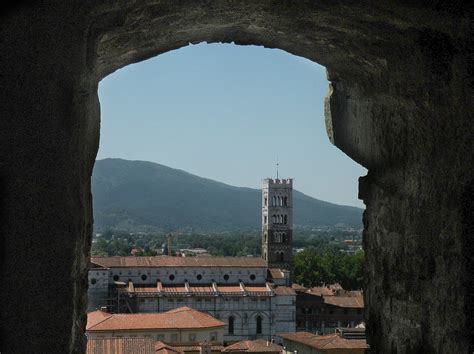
{"points": [[174, 289], [168, 261], [116, 345], [284, 290], [229, 288], [163, 348], [196, 348], [326, 342], [96, 317], [253, 346], [320, 291], [298, 287], [276, 273], [180, 318], [345, 301], [257, 288], [201, 289]]}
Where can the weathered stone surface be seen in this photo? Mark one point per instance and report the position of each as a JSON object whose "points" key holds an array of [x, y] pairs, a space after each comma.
{"points": [[401, 105]]}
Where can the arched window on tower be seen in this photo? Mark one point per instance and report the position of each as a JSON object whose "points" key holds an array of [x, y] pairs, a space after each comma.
{"points": [[283, 237], [274, 219], [277, 237], [285, 219], [285, 201], [231, 324], [274, 201], [259, 324], [279, 201]]}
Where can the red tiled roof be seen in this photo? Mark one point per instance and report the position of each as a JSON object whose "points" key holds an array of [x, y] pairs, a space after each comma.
{"points": [[345, 301], [320, 291], [116, 345], [253, 346], [196, 348], [257, 288], [326, 342], [180, 318], [276, 273], [163, 348], [283, 290], [168, 261], [201, 289], [298, 287], [174, 289], [229, 288]]}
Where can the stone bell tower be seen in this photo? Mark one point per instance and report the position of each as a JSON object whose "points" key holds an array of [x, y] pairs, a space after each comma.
{"points": [[277, 221]]}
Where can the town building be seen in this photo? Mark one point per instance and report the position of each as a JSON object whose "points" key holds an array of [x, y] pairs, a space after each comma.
{"points": [[323, 309], [258, 346], [310, 343], [252, 295], [240, 291], [182, 326]]}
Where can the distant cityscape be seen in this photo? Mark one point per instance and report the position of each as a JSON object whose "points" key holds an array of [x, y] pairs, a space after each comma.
{"points": [[278, 291]]}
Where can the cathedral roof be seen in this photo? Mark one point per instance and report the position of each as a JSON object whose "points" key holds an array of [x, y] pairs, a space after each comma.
{"points": [[169, 261]]}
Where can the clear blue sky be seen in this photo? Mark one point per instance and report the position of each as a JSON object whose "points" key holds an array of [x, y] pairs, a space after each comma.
{"points": [[227, 112]]}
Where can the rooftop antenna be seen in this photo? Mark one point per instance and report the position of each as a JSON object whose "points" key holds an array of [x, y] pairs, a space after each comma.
{"points": [[277, 167]]}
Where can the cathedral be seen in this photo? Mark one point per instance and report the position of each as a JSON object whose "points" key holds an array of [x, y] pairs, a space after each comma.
{"points": [[253, 296]]}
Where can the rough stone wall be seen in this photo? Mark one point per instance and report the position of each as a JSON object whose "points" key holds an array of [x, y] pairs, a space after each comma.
{"points": [[400, 104]]}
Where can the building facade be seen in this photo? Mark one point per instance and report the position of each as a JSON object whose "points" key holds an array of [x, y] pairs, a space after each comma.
{"points": [[277, 221], [240, 291], [323, 309], [182, 326]]}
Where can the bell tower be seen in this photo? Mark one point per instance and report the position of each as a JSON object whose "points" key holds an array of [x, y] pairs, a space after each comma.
{"points": [[277, 222]]}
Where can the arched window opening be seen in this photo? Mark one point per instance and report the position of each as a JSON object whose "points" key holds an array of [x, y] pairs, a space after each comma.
{"points": [[277, 237], [282, 256], [259, 324], [231, 325], [274, 201], [285, 220], [265, 201], [285, 201], [279, 201], [283, 237]]}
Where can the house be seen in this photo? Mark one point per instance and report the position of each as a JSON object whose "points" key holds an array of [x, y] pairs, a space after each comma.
{"points": [[254, 346], [310, 343], [182, 326], [322, 309]]}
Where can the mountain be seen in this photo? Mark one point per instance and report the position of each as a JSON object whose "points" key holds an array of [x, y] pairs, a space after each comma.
{"points": [[140, 195]]}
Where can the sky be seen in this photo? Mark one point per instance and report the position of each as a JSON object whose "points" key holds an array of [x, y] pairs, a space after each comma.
{"points": [[228, 113]]}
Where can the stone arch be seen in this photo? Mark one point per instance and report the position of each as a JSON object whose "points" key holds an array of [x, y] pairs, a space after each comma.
{"points": [[373, 90]]}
